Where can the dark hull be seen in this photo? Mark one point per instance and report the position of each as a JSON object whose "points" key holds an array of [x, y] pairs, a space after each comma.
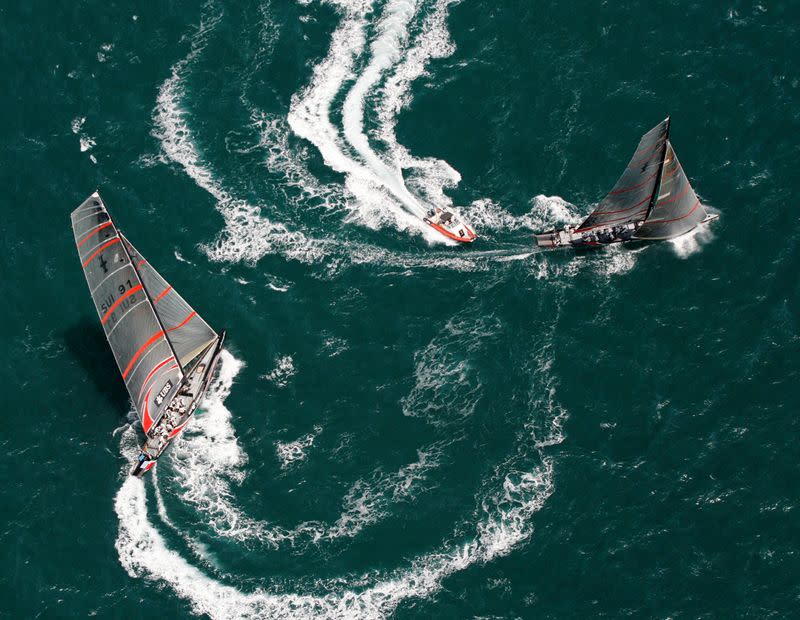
{"points": [[149, 455], [553, 239]]}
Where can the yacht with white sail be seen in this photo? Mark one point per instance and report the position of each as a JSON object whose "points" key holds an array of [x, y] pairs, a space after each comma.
{"points": [[449, 224]]}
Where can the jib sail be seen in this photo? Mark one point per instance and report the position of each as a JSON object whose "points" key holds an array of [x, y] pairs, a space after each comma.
{"points": [[185, 330], [145, 358], [676, 208], [632, 195]]}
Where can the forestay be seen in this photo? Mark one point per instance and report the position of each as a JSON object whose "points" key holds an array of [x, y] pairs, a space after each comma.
{"points": [[138, 341]]}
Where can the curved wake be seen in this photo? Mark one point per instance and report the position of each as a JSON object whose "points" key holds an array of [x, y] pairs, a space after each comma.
{"points": [[503, 520]]}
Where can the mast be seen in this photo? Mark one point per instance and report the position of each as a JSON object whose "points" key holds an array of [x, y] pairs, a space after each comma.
{"points": [[147, 294], [657, 189]]}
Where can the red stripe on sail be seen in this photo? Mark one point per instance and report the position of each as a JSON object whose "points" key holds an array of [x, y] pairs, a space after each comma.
{"points": [[152, 372], [675, 219], [635, 164], [141, 350], [633, 187], [184, 322], [674, 198], [164, 292], [113, 307], [94, 231], [100, 249], [638, 204]]}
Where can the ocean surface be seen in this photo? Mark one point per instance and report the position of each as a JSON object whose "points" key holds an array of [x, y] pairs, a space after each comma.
{"points": [[402, 427]]}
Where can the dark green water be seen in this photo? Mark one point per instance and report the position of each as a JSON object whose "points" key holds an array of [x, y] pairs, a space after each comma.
{"points": [[401, 427]]}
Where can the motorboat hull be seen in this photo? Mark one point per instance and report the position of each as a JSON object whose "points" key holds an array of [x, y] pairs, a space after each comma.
{"points": [[459, 231]]}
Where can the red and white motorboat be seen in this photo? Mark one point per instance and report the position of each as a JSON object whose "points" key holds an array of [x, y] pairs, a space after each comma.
{"points": [[450, 225]]}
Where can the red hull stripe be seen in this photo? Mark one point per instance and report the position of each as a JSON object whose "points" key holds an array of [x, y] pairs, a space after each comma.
{"points": [[184, 322], [450, 235], [178, 430], [113, 307], [154, 338], [164, 292], [93, 232], [100, 249]]}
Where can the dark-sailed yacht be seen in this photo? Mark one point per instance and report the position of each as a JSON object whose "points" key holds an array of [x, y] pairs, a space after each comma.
{"points": [[652, 200], [165, 351]]}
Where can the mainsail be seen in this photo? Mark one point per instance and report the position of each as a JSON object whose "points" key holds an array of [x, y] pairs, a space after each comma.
{"points": [[150, 349], [632, 195]]}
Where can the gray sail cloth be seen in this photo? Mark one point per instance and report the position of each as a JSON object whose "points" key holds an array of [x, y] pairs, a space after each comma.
{"points": [[143, 355], [677, 209], [630, 198], [186, 331]]}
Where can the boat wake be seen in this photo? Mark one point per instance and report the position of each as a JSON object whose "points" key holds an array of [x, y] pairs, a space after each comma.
{"points": [[248, 235], [352, 73], [373, 59], [209, 463]]}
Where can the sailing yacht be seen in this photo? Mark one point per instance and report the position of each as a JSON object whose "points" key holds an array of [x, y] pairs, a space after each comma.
{"points": [[652, 200], [165, 351]]}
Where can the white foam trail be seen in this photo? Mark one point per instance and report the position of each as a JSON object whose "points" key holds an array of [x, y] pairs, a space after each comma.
{"points": [[392, 33], [209, 461], [429, 176], [248, 235], [692, 242], [506, 522], [546, 212], [373, 188], [502, 520]]}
